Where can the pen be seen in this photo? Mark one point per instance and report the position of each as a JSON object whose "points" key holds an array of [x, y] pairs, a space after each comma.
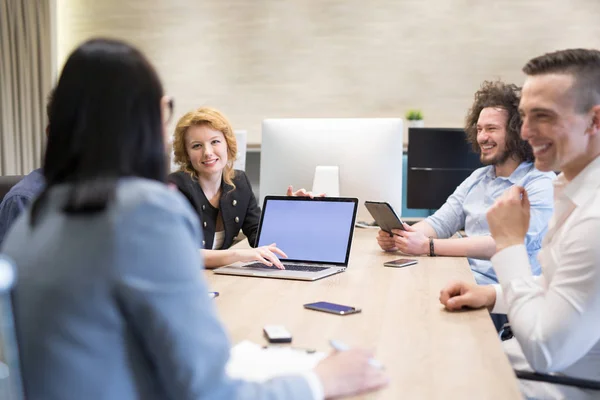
{"points": [[212, 295], [339, 346]]}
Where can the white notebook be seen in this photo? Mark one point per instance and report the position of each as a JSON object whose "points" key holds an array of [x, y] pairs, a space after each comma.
{"points": [[252, 362]]}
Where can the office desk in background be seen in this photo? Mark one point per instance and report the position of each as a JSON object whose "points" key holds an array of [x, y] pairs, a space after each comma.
{"points": [[429, 353]]}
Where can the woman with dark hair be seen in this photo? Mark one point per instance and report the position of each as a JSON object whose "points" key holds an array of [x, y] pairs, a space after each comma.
{"points": [[110, 299]]}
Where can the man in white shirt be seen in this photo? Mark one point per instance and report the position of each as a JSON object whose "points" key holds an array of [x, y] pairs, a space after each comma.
{"points": [[555, 318]]}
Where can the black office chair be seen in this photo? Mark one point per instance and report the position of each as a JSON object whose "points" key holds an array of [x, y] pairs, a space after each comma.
{"points": [[7, 182], [11, 386], [506, 333]]}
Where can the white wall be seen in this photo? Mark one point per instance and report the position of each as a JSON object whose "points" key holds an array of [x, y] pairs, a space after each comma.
{"points": [[345, 58]]}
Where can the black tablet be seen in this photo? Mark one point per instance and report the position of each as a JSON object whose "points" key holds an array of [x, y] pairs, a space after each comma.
{"points": [[384, 215]]}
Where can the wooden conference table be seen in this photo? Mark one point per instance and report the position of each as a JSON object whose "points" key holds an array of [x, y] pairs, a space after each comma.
{"points": [[429, 353]]}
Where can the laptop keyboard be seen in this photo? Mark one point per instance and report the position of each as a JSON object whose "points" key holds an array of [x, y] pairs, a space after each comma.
{"points": [[288, 267]]}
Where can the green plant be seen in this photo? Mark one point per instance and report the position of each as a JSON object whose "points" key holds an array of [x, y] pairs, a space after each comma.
{"points": [[414, 115]]}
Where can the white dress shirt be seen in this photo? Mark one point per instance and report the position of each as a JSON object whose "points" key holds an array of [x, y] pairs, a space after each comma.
{"points": [[555, 317]]}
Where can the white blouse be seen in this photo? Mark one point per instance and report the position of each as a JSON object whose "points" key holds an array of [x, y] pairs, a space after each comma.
{"points": [[218, 240]]}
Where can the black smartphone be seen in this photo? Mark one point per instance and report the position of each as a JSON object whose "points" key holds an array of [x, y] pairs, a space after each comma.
{"points": [[332, 308], [384, 215], [402, 262]]}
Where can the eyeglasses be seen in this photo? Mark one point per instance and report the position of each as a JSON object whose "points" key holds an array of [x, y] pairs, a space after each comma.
{"points": [[170, 107]]}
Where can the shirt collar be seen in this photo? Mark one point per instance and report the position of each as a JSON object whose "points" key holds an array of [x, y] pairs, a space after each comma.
{"points": [[516, 175], [584, 185]]}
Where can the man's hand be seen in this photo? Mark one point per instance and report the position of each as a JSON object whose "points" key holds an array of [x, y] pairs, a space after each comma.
{"points": [[302, 193], [508, 218], [457, 295], [411, 241], [386, 241]]}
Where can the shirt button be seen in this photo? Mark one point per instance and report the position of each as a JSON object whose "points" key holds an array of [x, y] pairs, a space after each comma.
{"points": [[204, 223], [237, 220], [234, 202], [203, 243], [203, 207]]}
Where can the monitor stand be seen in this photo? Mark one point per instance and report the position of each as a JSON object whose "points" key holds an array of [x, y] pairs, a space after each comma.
{"points": [[327, 180]]}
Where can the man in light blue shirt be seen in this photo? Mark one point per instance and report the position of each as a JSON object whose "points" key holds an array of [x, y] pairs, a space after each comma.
{"points": [[493, 128]]}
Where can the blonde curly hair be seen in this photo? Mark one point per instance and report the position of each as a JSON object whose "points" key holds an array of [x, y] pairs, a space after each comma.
{"points": [[215, 120]]}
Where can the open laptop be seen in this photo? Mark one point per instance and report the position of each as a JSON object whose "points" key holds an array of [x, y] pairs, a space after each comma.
{"points": [[316, 234]]}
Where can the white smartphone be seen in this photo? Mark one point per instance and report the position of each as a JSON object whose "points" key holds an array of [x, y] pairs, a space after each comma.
{"points": [[277, 334], [402, 262]]}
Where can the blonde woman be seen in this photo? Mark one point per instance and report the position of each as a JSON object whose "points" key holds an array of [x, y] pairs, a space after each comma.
{"points": [[205, 149]]}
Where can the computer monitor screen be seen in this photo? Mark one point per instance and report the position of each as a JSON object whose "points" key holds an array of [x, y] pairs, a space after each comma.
{"points": [[368, 152], [439, 159]]}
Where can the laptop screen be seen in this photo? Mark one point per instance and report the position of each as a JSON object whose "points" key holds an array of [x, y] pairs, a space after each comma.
{"points": [[317, 230]]}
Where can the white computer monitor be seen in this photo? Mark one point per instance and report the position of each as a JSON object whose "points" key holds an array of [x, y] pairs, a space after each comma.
{"points": [[367, 151], [241, 137]]}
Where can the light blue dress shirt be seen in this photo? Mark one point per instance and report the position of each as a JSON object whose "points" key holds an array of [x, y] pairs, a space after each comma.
{"points": [[467, 206]]}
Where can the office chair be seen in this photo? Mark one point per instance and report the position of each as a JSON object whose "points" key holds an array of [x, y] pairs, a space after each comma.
{"points": [[11, 387], [506, 333], [7, 182]]}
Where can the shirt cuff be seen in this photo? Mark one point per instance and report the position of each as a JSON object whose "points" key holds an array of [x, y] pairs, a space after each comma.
{"points": [[511, 263], [316, 387], [500, 306]]}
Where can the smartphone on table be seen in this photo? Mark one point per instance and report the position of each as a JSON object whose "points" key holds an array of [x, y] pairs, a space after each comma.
{"points": [[332, 308], [402, 262], [277, 334], [384, 215]]}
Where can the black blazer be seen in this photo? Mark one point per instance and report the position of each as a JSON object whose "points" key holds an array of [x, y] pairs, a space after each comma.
{"points": [[238, 207]]}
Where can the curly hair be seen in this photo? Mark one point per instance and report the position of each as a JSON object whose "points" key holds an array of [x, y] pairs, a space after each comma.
{"points": [[215, 120], [499, 95]]}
